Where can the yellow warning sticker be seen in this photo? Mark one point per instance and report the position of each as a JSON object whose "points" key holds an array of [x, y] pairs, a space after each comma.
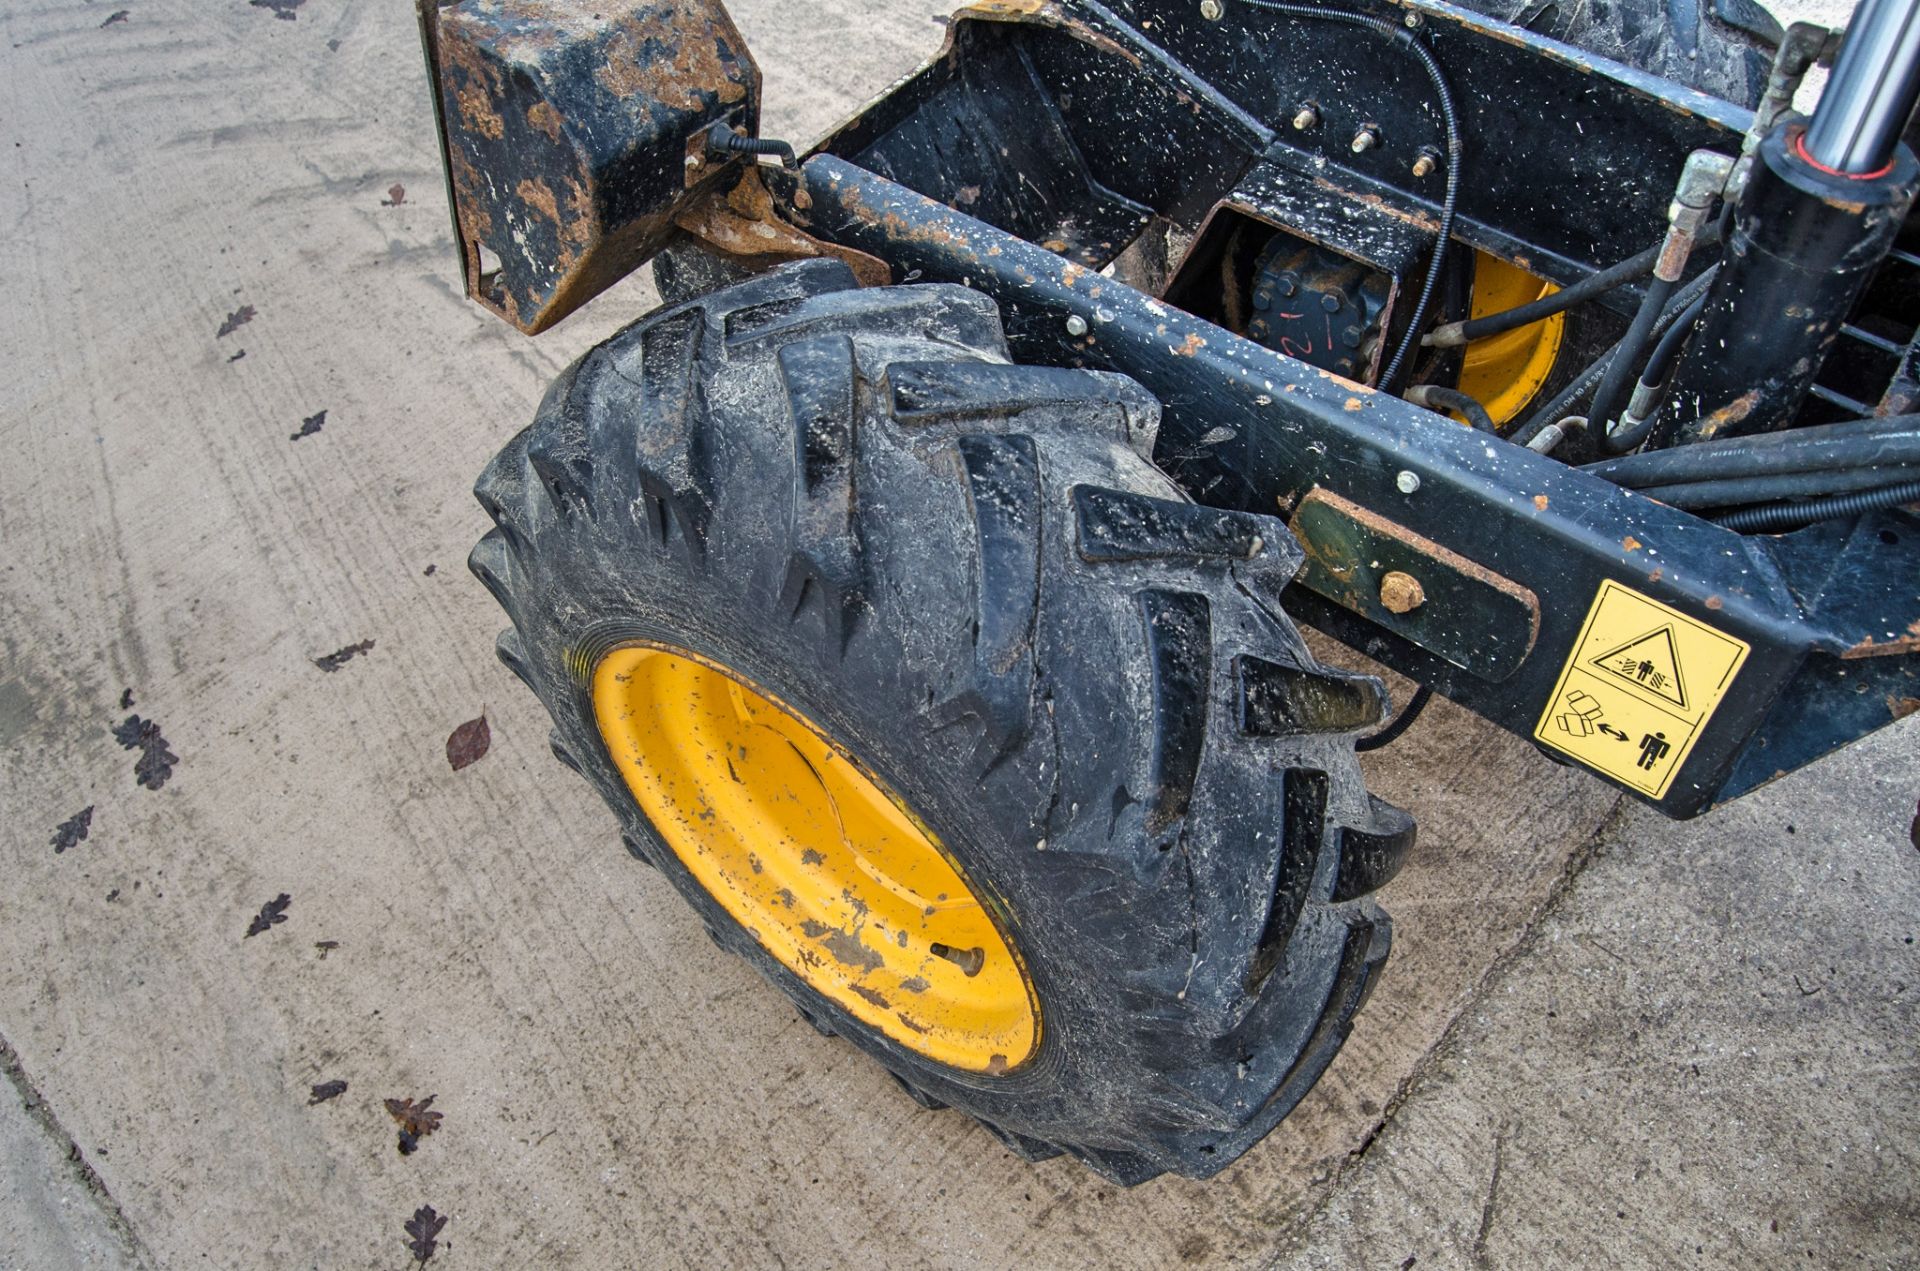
{"points": [[1638, 689]]}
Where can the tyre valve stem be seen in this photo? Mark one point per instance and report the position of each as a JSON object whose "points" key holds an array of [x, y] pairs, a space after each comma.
{"points": [[968, 960]]}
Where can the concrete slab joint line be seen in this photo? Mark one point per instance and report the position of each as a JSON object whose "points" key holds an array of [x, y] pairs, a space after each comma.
{"points": [[40, 1119]]}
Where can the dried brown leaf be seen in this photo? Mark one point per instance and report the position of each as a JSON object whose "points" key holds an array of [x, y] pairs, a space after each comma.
{"points": [[271, 915], [423, 1230], [340, 657], [416, 1120], [73, 829], [468, 743]]}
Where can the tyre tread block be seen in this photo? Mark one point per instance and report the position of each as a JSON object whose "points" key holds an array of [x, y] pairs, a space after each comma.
{"points": [[671, 446], [1372, 854], [1003, 492], [1180, 651], [921, 393], [824, 533], [938, 311], [1278, 700]]}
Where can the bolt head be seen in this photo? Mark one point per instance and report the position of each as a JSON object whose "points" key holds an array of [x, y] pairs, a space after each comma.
{"points": [[1407, 481], [1366, 139], [1212, 10], [1304, 118], [1076, 325], [1413, 19], [1424, 166]]}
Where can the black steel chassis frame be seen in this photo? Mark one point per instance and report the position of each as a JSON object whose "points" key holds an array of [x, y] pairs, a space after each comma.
{"points": [[1049, 134]]}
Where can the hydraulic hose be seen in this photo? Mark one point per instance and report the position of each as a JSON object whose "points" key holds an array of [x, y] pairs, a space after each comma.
{"points": [[1566, 399], [1437, 397], [1732, 492], [1781, 516], [1592, 287], [1621, 366], [1405, 39], [1861, 443]]}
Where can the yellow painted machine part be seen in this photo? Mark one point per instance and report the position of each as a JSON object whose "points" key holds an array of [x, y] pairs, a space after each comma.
{"points": [[1505, 372], [811, 854]]}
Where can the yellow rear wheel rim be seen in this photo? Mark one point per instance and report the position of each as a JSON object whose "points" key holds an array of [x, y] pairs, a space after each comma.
{"points": [[815, 857], [1505, 372]]}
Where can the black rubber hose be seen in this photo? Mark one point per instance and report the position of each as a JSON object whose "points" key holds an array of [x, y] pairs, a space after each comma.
{"points": [[1403, 38], [1782, 516], [1733, 492], [1401, 722], [1433, 395], [1894, 439], [1593, 286], [1668, 349], [1625, 364], [1566, 399], [726, 141]]}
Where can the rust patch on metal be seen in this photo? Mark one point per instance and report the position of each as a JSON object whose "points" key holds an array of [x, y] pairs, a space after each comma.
{"points": [[746, 223], [671, 53], [1630, 543], [1871, 648], [1901, 707], [1539, 502], [546, 119], [1732, 413], [1714, 602]]}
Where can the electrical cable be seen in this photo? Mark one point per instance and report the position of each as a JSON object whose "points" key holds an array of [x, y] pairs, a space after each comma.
{"points": [[1782, 516], [1403, 38], [1401, 722]]}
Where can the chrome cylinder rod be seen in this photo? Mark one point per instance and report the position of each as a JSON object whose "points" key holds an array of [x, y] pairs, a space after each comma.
{"points": [[1872, 91]]}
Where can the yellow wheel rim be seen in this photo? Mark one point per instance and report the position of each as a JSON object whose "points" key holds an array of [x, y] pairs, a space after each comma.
{"points": [[1505, 372], [825, 866]]}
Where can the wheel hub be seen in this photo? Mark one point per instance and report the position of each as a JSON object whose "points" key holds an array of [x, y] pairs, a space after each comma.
{"points": [[818, 860]]}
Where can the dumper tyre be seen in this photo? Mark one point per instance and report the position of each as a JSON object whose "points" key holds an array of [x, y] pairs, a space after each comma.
{"points": [[869, 636], [1721, 47]]}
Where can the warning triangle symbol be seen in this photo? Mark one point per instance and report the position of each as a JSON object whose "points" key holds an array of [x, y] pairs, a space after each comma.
{"points": [[1650, 663]]}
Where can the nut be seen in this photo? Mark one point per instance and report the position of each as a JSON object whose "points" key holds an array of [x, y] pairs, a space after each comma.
{"points": [[1406, 481], [1212, 10], [1076, 325], [1401, 593]]}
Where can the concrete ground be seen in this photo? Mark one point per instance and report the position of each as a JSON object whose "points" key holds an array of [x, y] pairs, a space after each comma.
{"points": [[1604, 1040]]}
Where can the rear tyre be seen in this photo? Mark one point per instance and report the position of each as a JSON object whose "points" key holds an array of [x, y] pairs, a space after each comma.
{"points": [[964, 579], [1721, 47]]}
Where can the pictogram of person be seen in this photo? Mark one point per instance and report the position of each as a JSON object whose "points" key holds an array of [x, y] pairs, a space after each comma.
{"points": [[1653, 748]]}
